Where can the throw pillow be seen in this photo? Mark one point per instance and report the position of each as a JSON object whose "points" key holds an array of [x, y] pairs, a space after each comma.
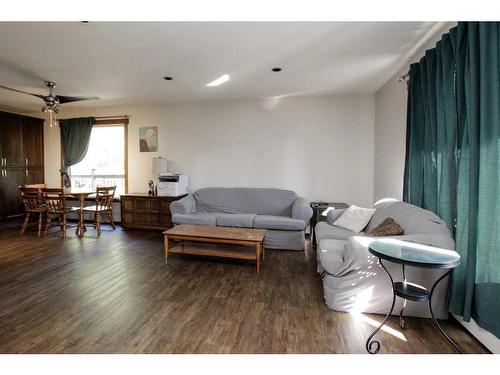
{"points": [[333, 215], [354, 218], [388, 227]]}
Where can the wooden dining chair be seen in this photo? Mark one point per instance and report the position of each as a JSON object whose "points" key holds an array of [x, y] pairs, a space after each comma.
{"points": [[33, 205], [55, 201], [35, 186], [103, 205]]}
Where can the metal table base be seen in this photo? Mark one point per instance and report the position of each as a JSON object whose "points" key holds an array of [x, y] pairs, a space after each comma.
{"points": [[411, 292]]}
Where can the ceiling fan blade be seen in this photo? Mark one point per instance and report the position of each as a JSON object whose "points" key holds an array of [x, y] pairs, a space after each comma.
{"points": [[68, 99], [23, 92]]}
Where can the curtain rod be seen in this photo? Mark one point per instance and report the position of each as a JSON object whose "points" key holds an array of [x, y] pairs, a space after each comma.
{"points": [[111, 117], [404, 78]]}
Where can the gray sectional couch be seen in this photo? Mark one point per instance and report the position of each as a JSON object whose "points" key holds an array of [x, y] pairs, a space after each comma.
{"points": [[352, 278], [282, 212]]}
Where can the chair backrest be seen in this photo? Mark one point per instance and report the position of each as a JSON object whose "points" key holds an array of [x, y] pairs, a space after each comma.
{"points": [[31, 198], [54, 198], [35, 186], [104, 197]]}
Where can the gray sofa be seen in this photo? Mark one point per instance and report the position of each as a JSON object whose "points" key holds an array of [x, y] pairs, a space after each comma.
{"points": [[281, 212], [352, 278]]}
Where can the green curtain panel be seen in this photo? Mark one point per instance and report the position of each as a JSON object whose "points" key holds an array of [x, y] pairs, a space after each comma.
{"points": [[452, 158], [476, 285], [75, 136], [431, 133]]}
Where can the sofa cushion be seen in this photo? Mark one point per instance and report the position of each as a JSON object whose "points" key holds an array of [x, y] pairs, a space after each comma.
{"points": [[235, 220], [323, 230], [334, 214], [245, 201], [388, 227], [278, 222], [197, 219], [354, 218]]}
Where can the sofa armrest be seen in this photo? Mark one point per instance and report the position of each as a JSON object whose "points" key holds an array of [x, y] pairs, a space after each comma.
{"points": [[185, 205], [338, 258], [301, 209], [334, 214]]}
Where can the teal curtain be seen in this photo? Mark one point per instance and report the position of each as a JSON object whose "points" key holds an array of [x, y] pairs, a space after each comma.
{"points": [[75, 137], [431, 132], [476, 284], [452, 158]]}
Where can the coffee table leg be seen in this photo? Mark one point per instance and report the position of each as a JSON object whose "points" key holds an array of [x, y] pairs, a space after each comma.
{"points": [[165, 247], [258, 251]]}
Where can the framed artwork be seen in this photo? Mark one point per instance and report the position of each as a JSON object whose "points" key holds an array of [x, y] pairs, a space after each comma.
{"points": [[148, 139]]}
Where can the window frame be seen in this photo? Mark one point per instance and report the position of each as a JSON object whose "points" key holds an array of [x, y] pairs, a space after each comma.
{"points": [[108, 123]]}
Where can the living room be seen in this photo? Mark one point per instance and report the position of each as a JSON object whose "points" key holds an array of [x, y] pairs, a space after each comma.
{"points": [[312, 187]]}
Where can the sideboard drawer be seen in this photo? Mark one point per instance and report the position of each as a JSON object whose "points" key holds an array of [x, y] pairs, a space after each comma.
{"points": [[127, 204], [155, 204], [141, 211], [141, 204]]}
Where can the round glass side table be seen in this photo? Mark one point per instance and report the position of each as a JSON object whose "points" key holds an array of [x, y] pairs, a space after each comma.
{"points": [[416, 255]]}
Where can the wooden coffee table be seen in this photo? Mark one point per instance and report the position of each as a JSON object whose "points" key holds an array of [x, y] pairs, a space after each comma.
{"points": [[218, 235]]}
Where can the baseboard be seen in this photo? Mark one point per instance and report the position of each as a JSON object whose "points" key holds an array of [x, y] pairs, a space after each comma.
{"points": [[486, 338]]}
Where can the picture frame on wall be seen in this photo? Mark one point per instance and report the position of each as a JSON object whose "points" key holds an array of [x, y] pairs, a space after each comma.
{"points": [[148, 139]]}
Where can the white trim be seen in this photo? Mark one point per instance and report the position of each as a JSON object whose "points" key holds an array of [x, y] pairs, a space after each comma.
{"points": [[486, 338]]}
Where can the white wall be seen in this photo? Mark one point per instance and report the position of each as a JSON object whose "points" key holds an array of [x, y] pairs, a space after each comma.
{"points": [[390, 140], [322, 147]]}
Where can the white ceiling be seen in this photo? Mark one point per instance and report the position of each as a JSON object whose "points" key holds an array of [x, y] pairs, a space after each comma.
{"points": [[123, 62]]}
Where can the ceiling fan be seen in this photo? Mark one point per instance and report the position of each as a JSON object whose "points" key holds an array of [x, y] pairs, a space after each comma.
{"points": [[52, 101]]}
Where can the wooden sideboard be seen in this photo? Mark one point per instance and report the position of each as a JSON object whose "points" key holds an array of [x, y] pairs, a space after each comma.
{"points": [[143, 211]]}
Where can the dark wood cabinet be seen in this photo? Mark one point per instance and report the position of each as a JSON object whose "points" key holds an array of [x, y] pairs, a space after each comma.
{"points": [[34, 175], [142, 211], [33, 143], [12, 203], [11, 133], [21, 159]]}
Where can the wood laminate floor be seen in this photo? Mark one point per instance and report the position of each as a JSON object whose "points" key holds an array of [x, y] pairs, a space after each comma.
{"points": [[114, 294]]}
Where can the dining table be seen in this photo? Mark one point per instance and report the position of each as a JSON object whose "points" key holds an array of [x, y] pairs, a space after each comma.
{"points": [[80, 195]]}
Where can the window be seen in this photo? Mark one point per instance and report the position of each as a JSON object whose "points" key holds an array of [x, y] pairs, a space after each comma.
{"points": [[105, 161]]}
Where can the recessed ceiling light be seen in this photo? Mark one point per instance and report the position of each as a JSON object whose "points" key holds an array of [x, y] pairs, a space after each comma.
{"points": [[276, 70], [219, 81], [167, 78]]}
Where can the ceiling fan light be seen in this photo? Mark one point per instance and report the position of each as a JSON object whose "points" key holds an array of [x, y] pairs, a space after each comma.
{"points": [[52, 118]]}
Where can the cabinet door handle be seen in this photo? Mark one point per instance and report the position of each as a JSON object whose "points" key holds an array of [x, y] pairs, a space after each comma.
{"points": [[26, 161], [26, 173]]}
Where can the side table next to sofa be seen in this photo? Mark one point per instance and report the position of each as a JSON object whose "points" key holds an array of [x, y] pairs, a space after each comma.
{"points": [[320, 210]]}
